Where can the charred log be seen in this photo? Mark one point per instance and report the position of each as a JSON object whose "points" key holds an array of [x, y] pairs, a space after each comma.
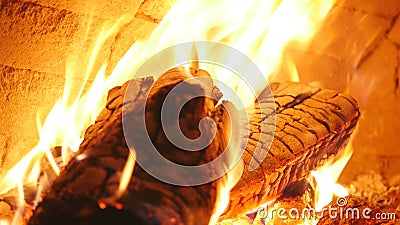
{"points": [[311, 126], [84, 192]]}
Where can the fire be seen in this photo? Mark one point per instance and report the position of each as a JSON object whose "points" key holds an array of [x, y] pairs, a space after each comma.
{"points": [[262, 30], [66, 132], [326, 179], [325, 185]]}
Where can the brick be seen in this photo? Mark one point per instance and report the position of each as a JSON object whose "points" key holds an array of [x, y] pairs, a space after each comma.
{"points": [[377, 136], [155, 9], [35, 37], [394, 33], [41, 38], [323, 71], [386, 8], [23, 93], [107, 10], [349, 35]]}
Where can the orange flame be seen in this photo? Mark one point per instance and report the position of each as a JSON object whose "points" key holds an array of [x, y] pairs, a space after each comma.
{"points": [[327, 178], [326, 184], [260, 29]]}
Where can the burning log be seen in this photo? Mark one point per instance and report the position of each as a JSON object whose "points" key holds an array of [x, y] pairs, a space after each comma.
{"points": [[84, 192], [311, 126]]}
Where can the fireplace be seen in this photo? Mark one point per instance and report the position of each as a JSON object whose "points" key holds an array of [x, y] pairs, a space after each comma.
{"points": [[355, 51]]}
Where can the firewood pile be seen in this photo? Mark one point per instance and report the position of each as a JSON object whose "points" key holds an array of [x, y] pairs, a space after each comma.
{"points": [[311, 126]]}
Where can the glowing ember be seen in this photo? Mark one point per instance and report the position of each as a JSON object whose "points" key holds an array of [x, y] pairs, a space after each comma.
{"points": [[260, 29]]}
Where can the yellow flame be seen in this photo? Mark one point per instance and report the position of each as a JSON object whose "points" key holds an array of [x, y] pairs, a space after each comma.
{"points": [[260, 29], [326, 179], [64, 125], [326, 184], [127, 173], [4, 222]]}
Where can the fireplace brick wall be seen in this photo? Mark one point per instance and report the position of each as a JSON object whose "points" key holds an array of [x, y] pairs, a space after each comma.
{"points": [[357, 51], [36, 37]]}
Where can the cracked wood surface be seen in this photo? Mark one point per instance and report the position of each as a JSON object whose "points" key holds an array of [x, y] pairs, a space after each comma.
{"points": [[311, 125]]}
